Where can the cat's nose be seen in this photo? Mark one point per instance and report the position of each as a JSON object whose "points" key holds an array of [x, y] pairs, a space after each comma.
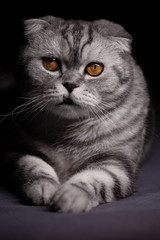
{"points": [[69, 86]]}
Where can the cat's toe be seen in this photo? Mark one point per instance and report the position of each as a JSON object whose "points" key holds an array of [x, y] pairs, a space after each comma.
{"points": [[40, 192], [72, 199]]}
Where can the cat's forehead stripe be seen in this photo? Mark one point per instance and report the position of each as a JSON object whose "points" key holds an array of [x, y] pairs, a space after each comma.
{"points": [[77, 37], [88, 40]]}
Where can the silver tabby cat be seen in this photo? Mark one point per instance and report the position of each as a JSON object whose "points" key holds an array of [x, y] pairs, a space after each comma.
{"points": [[84, 116]]}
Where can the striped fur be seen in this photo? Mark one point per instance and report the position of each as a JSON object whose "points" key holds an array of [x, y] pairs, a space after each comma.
{"points": [[81, 154]]}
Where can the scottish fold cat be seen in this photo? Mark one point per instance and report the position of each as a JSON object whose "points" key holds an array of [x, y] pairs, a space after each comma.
{"points": [[84, 121]]}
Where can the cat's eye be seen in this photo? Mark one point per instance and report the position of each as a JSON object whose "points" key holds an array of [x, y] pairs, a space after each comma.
{"points": [[51, 64], [94, 69]]}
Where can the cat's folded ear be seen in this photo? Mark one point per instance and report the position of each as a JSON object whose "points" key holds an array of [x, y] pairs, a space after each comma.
{"points": [[33, 26], [115, 33], [122, 43]]}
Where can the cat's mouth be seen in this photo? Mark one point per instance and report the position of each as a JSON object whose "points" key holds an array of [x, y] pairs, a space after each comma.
{"points": [[67, 101]]}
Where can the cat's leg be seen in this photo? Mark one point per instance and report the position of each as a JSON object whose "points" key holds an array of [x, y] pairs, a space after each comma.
{"points": [[104, 182], [35, 179]]}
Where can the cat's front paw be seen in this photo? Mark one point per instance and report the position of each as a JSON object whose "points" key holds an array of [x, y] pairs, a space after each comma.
{"points": [[40, 192], [72, 198]]}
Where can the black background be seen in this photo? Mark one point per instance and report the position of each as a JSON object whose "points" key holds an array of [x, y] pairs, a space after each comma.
{"points": [[139, 18]]}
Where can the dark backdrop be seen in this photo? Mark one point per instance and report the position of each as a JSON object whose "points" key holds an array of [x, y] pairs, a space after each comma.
{"points": [[141, 19]]}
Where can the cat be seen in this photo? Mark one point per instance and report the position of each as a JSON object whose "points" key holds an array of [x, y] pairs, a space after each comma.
{"points": [[84, 113]]}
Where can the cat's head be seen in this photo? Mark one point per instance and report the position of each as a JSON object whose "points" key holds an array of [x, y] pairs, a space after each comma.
{"points": [[76, 68]]}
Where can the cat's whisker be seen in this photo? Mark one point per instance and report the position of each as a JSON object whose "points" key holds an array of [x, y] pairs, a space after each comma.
{"points": [[103, 117], [40, 108], [33, 104], [107, 113], [106, 105], [19, 109], [13, 112], [101, 114], [29, 105], [31, 110], [95, 112], [29, 98]]}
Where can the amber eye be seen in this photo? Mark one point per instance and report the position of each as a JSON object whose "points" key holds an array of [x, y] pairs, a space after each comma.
{"points": [[94, 69], [51, 64]]}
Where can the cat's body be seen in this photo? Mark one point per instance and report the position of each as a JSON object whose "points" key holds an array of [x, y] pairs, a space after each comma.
{"points": [[83, 134]]}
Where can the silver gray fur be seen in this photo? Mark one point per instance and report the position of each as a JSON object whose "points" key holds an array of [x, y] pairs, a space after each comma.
{"points": [[86, 153]]}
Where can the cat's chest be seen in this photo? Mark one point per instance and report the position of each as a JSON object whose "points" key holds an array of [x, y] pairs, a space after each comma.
{"points": [[65, 160], [85, 142]]}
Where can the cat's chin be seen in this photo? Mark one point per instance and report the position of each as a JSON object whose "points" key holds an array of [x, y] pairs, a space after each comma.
{"points": [[69, 111]]}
